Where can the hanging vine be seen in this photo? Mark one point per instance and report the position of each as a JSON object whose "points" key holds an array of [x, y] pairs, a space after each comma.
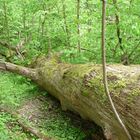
{"points": [[105, 73]]}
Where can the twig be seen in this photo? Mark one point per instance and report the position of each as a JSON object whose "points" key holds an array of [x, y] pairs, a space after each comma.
{"points": [[84, 49]]}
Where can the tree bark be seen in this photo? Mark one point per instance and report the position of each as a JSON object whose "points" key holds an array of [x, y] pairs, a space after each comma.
{"points": [[65, 24], [78, 26], [79, 88]]}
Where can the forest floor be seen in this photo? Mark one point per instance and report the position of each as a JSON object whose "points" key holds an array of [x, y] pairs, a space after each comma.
{"points": [[40, 111]]}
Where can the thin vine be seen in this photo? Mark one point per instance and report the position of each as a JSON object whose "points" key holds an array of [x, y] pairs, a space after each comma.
{"points": [[105, 72]]}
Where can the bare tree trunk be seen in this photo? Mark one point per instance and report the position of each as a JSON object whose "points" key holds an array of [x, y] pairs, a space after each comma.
{"points": [[65, 23], [44, 19], [124, 57], [24, 22], [88, 13], [78, 26], [80, 89], [7, 34], [117, 26], [24, 18], [49, 38]]}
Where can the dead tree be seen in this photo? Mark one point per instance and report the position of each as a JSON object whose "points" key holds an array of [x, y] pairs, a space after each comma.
{"points": [[79, 88]]}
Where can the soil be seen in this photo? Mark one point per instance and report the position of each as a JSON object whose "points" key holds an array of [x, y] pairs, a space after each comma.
{"points": [[43, 108]]}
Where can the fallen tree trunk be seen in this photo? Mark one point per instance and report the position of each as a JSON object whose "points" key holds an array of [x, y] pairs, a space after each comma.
{"points": [[80, 89]]}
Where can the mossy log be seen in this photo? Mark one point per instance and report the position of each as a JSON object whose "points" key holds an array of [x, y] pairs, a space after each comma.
{"points": [[79, 88]]}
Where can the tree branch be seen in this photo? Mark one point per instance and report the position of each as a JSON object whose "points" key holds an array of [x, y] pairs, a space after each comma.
{"points": [[16, 49], [27, 72]]}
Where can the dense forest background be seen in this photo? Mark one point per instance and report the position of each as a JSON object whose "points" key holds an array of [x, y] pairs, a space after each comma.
{"points": [[73, 27], [30, 28]]}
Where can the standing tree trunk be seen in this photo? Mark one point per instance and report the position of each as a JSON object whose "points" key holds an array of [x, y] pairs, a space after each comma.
{"points": [[124, 57], [6, 24], [117, 26], [45, 31], [24, 22], [78, 26], [88, 13], [49, 38], [80, 89], [24, 17], [65, 23]]}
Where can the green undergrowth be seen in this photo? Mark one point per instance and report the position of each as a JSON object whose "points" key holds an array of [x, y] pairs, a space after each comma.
{"points": [[14, 89], [22, 95], [10, 129]]}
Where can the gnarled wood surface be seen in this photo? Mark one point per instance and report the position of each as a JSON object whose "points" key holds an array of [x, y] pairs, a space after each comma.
{"points": [[80, 89]]}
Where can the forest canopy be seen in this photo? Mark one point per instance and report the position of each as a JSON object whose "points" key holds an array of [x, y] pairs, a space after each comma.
{"points": [[43, 26]]}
